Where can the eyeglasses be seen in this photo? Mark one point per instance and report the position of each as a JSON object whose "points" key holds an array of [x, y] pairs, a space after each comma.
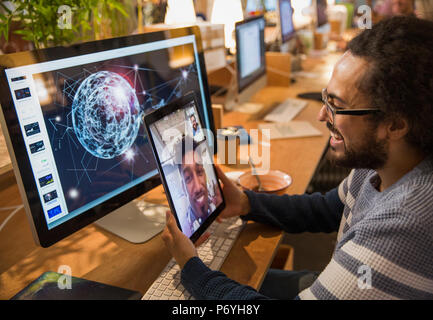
{"points": [[332, 110]]}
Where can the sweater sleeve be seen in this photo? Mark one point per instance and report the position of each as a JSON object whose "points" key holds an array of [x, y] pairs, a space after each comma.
{"points": [[297, 213], [206, 284], [387, 257], [290, 213]]}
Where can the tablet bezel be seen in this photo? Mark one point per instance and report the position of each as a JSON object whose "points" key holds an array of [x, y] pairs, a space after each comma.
{"points": [[158, 115]]}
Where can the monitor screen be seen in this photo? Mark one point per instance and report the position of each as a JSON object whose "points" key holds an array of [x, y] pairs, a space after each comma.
{"points": [[286, 20], [250, 51], [74, 118], [257, 5], [322, 17]]}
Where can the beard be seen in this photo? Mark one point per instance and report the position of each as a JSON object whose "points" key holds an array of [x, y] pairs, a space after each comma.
{"points": [[371, 154]]}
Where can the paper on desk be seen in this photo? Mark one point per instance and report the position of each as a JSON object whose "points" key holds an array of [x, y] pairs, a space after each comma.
{"points": [[292, 129], [286, 111], [305, 74], [248, 107]]}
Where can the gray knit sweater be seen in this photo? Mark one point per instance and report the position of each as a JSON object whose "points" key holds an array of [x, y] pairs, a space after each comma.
{"points": [[385, 239]]}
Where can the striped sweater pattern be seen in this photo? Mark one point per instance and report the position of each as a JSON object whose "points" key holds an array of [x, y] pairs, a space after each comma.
{"points": [[384, 244]]}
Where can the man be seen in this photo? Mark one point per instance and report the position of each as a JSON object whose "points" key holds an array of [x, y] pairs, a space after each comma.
{"points": [[378, 107], [196, 130], [194, 178]]}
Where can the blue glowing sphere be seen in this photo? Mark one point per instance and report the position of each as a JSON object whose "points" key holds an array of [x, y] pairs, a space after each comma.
{"points": [[106, 115]]}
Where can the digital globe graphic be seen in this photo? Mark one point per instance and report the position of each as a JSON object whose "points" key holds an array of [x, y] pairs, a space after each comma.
{"points": [[106, 114]]}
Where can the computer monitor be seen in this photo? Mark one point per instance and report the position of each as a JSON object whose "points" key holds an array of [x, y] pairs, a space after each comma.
{"points": [[72, 119], [322, 17], [286, 26], [257, 5], [250, 57]]}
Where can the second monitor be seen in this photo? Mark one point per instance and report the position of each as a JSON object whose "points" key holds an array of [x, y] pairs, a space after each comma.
{"points": [[250, 57], [286, 25]]}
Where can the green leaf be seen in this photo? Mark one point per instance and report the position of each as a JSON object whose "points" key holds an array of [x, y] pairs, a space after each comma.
{"points": [[22, 32], [4, 31], [118, 6], [38, 19]]}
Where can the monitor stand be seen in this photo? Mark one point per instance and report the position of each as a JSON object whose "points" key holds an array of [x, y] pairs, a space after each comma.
{"points": [[137, 221], [285, 47]]}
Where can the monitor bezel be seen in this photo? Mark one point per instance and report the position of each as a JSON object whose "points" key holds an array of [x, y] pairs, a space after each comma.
{"points": [[42, 235], [257, 75]]}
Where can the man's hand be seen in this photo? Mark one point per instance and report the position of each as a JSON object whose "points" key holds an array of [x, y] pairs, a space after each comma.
{"points": [[179, 245], [218, 198], [237, 202]]}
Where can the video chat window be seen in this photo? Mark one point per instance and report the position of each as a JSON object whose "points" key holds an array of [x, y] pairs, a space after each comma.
{"points": [[186, 162]]}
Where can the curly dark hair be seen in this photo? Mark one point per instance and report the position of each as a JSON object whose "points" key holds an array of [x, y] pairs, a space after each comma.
{"points": [[400, 76]]}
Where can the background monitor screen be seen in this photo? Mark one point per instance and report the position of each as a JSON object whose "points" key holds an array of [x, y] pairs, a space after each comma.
{"points": [[322, 17], [286, 20], [74, 117], [250, 51], [257, 5]]}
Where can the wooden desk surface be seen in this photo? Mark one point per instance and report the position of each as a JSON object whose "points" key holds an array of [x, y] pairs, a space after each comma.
{"points": [[95, 254]]}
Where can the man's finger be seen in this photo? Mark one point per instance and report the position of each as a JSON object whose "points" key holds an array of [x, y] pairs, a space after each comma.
{"points": [[221, 175], [166, 236], [171, 223]]}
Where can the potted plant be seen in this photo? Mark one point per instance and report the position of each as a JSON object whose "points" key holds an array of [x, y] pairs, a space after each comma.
{"points": [[47, 23]]}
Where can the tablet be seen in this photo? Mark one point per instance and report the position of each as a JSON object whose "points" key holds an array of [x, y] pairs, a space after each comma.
{"points": [[185, 163]]}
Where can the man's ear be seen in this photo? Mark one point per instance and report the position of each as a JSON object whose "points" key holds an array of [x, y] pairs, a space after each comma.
{"points": [[397, 128]]}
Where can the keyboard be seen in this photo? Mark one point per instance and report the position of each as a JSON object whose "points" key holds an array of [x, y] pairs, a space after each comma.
{"points": [[212, 252], [286, 110]]}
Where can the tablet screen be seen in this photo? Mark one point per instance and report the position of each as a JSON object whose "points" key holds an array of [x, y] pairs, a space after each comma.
{"points": [[186, 166]]}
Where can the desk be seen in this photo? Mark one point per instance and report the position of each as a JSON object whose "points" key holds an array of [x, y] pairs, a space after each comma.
{"points": [[95, 254]]}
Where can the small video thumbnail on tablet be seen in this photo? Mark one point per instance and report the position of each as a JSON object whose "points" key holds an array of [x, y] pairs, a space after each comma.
{"points": [[187, 165]]}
